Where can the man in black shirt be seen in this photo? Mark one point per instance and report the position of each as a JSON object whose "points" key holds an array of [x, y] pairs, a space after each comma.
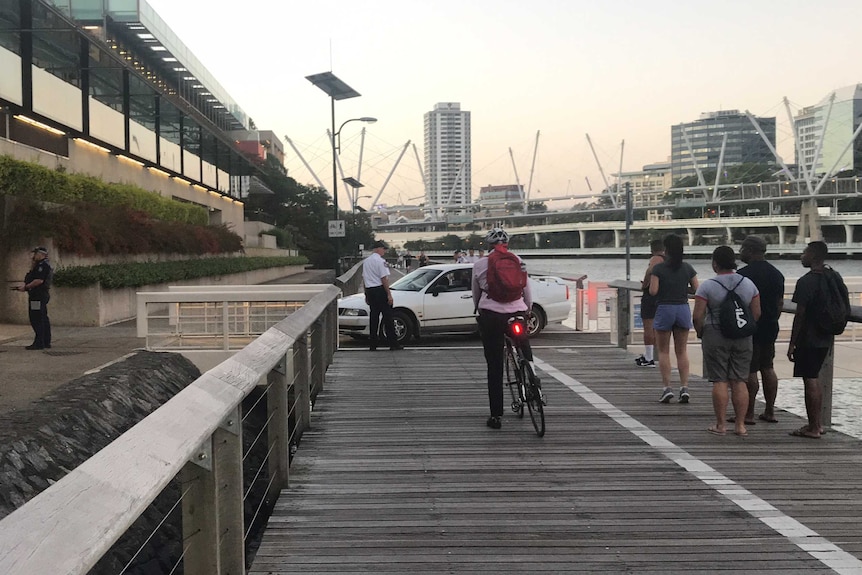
{"points": [[809, 344], [37, 284], [770, 284]]}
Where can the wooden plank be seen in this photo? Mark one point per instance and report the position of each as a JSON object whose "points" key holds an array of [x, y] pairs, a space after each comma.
{"points": [[400, 474]]}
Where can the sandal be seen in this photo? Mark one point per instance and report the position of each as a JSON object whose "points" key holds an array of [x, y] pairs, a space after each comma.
{"points": [[804, 432]]}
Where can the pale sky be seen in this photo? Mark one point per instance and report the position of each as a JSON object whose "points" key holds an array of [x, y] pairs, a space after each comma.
{"points": [[616, 69]]}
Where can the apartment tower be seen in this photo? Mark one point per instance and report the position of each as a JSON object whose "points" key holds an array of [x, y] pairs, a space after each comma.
{"points": [[447, 159]]}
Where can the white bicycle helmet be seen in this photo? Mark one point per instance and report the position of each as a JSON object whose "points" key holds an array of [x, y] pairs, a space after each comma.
{"points": [[497, 236]]}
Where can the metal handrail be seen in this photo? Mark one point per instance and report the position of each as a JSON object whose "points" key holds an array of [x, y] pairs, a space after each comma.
{"points": [[68, 527]]}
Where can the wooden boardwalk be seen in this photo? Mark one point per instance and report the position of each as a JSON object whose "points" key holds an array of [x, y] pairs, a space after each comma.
{"points": [[401, 475]]}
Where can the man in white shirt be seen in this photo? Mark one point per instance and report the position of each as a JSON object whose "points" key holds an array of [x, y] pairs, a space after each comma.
{"points": [[471, 257], [375, 277]]}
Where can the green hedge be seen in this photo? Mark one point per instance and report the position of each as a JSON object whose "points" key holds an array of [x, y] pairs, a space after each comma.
{"points": [[36, 182], [114, 276]]}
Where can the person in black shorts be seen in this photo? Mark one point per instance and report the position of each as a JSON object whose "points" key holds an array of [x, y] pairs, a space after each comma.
{"points": [[649, 304], [770, 284], [809, 345]]}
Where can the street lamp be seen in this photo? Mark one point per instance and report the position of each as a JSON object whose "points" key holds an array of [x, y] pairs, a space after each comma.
{"points": [[336, 89]]}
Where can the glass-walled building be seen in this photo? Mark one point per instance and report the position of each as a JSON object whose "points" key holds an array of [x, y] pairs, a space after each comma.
{"points": [[705, 136], [104, 87]]}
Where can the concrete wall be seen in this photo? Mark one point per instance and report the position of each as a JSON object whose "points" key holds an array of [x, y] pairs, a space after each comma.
{"points": [[253, 237]]}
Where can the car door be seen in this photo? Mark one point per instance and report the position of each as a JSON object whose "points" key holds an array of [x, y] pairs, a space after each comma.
{"points": [[448, 302]]}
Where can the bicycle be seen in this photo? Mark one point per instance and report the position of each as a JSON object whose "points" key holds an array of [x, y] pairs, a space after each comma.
{"points": [[523, 384]]}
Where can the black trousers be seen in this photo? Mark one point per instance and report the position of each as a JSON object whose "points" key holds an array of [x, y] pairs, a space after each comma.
{"points": [[492, 327], [376, 299], [40, 322]]}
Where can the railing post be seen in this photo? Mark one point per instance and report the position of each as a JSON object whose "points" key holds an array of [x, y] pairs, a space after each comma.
{"points": [[623, 317], [302, 383], [213, 505], [824, 378], [319, 341], [278, 409], [332, 322]]}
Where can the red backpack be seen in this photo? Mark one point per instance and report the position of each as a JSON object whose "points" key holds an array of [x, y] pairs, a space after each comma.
{"points": [[506, 277]]}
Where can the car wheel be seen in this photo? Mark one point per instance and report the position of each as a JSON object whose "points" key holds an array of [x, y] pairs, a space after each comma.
{"points": [[403, 327], [536, 322]]}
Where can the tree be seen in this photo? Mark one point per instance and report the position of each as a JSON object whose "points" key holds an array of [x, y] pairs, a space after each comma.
{"points": [[302, 210]]}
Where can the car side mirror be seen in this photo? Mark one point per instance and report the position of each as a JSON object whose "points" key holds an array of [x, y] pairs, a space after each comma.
{"points": [[435, 290]]}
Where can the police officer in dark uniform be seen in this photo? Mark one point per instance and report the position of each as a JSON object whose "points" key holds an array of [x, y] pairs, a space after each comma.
{"points": [[37, 284]]}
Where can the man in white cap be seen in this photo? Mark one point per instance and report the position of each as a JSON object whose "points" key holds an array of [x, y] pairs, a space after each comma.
{"points": [[375, 277], [37, 284]]}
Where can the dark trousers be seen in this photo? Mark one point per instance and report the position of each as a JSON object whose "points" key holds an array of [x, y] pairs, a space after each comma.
{"points": [[39, 322], [376, 299], [492, 327]]}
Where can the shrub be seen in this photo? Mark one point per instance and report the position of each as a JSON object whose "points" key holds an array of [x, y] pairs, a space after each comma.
{"points": [[26, 180], [114, 276], [88, 229]]}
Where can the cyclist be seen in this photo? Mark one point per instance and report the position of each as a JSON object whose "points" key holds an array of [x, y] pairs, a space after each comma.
{"points": [[493, 321]]}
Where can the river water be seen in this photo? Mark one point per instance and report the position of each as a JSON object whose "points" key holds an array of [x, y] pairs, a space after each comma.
{"points": [[847, 391]]}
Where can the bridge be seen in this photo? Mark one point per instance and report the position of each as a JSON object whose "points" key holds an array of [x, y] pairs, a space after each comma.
{"points": [[778, 225], [394, 470]]}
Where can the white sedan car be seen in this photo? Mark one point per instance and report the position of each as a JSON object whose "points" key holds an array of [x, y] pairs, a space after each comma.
{"points": [[438, 298]]}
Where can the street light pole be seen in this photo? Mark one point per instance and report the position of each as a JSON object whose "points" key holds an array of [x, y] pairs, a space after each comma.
{"points": [[336, 89]]}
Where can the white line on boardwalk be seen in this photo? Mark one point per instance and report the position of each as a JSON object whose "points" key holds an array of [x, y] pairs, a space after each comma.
{"points": [[806, 539]]}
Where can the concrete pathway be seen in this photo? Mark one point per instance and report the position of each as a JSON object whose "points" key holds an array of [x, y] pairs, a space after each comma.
{"points": [[26, 375]]}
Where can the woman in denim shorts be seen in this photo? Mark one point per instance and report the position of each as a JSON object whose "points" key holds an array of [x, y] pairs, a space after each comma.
{"points": [[671, 283]]}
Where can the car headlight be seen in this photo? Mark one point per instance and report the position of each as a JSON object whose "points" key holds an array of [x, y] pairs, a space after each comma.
{"points": [[352, 312]]}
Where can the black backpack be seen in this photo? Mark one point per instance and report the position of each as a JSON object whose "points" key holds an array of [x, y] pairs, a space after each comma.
{"points": [[835, 302], [734, 315]]}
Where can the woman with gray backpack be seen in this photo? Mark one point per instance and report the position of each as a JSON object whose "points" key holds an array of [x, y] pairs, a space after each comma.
{"points": [[726, 310]]}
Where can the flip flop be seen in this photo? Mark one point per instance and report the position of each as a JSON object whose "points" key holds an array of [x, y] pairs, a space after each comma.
{"points": [[732, 419], [803, 432], [741, 434], [767, 418], [713, 430]]}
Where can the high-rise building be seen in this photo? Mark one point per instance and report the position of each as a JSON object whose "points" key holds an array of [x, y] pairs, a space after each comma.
{"points": [[844, 118], [448, 170], [705, 136]]}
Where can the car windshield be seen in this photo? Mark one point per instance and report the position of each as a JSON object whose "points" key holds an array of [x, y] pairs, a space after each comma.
{"points": [[416, 280]]}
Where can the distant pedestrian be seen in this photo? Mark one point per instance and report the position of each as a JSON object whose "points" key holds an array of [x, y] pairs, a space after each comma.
{"points": [[408, 260], [770, 284], [649, 305], [809, 342], [375, 277], [37, 284], [671, 282], [480, 253], [471, 257], [727, 359], [423, 259]]}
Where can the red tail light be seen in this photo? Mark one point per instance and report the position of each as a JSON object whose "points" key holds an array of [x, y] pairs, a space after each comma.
{"points": [[517, 329], [567, 292]]}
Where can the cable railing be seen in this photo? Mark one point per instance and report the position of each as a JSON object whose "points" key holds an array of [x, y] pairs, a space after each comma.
{"points": [[185, 488], [622, 322]]}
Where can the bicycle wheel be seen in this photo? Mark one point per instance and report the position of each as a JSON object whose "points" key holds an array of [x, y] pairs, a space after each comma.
{"points": [[515, 381], [533, 394]]}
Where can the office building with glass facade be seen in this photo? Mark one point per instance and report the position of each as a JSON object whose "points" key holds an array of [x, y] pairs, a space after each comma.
{"points": [[705, 136], [103, 87]]}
